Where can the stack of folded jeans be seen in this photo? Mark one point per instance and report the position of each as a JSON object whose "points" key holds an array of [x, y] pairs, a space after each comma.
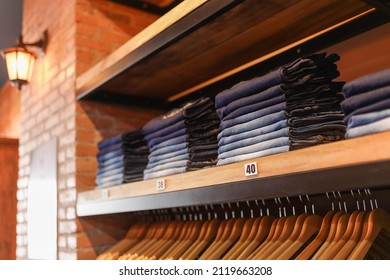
{"points": [[313, 100], [122, 159], [367, 104], [253, 120], [295, 106], [184, 139]]}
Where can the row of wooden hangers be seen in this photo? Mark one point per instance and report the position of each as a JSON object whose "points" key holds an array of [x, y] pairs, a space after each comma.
{"points": [[246, 231]]}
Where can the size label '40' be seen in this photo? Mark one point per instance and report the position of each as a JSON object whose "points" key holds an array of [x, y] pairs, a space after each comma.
{"points": [[251, 169]]}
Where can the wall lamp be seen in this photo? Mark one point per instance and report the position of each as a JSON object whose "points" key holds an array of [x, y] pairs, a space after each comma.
{"points": [[20, 59]]}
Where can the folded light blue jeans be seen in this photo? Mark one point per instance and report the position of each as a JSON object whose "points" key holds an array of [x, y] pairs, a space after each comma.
{"points": [[168, 155], [374, 127], [253, 140], [254, 115], [153, 164], [167, 172], [253, 124], [363, 119], [165, 166], [252, 133], [263, 153], [258, 147]]}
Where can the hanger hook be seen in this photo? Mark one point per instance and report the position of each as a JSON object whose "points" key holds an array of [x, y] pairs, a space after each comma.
{"points": [[331, 201]]}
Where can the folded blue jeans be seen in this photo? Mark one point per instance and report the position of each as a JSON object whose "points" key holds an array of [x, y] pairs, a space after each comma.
{"points": [[253, 124], [283, 132], [266, 104], [363, 119], [253, 115], [167, 172], [168, 149], [270, 93], [367, 83], [252, 133], [367, 98], [375, 107], [169, 142], [157, 140], [261, 146], [153, 164], [103, 169], [110, 173], [168, 155], [247, 88], [263, 153], [165, 166], [166, 130], [374, 127]]}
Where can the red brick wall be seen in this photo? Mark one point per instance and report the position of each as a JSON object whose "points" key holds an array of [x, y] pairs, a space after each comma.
{"points": [[48, 111], [10, 112], [81, 32]]}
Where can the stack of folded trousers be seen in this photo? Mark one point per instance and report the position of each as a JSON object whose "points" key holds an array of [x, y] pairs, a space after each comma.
{"points": [[313, 100], [122, 159], [184, 139], [367, 104], [253, 120], [291, 107]]}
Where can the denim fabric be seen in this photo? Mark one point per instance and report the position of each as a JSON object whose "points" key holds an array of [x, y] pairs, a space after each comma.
{"points": [[203, 141], [270, 93], [158, 140], [165, 166], [204, 155], [367, 83], [111, 161], [266, 105], [368, 118], [310, 91], [168, 155], [111, 183], [105, 168], [364, 99], [374, 127], [170, 118], [196, 165], [163, 173], [316, 118], [252, 133], [104, 157], [110, 173], [199, 106], [253, 124], [254, 115], [195, 136], [247, 88], [311, 130], [185, 156], [261, 146], [263, 153], [168, 149], [104, 180], [209, 125], [117, 139], [131, 179], [166, 131], [169, 142], [201, 148], [253, 140], [319, 101], [129, 137], [313, 79], [313, 109], [299, 143], [377, 106]]}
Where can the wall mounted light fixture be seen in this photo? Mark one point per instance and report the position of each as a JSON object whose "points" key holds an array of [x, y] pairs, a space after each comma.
{"points": [[20, 59]]}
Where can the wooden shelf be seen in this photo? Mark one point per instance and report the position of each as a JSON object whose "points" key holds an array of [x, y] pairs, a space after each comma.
{"points": [[308, 171], [202, 42]]}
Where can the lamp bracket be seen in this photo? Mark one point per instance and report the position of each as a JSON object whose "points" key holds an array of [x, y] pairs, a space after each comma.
{"points": [[40, 44]]}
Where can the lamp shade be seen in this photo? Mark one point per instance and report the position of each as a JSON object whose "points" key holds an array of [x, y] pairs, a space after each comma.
{"points": [[20, 63]]}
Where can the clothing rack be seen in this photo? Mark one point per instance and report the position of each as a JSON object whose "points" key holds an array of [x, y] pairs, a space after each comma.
{"points": [[352, 227]]}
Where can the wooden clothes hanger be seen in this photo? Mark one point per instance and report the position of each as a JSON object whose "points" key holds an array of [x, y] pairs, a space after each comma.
{"points": [[322, 235], [213, 229], [377, 220], [261, 229], [184, 231], [236, 249]]}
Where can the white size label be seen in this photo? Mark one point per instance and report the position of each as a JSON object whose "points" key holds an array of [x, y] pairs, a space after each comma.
{"points": [[251, 169], [160, 185], [105, 193]]}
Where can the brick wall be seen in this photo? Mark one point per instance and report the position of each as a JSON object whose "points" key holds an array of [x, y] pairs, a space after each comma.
{"points": [[81, 32]]}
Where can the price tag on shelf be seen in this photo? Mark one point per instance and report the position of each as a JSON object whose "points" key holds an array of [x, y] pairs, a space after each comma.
{"points": [[160, 185], [105, 193], [250, 169]]}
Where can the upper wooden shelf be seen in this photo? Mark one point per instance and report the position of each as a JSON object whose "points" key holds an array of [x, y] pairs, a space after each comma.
{"points": [[342, 165], [201, 42]]}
